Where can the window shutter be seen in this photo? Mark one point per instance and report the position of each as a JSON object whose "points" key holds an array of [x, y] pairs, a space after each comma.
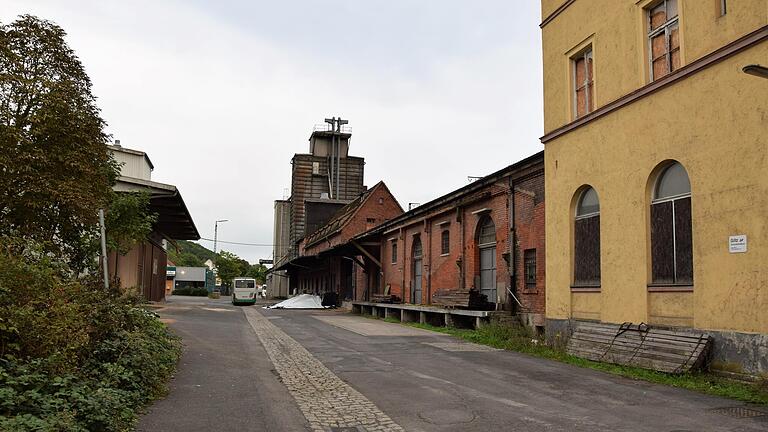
{"points": [[587, 251], [683, 241], [662, 246]]}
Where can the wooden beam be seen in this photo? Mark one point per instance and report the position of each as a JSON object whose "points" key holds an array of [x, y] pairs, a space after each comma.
{"points": [[354, 259], [366, 253]]}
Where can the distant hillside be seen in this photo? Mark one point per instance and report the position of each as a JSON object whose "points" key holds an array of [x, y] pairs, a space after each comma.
{"points": [[190, 254]]}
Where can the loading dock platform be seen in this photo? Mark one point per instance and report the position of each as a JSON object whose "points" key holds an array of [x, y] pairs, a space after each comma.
{"points": [[432, 315]]}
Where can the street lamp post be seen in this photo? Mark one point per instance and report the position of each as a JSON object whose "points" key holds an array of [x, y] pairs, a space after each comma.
{"points": [[216, 233]]}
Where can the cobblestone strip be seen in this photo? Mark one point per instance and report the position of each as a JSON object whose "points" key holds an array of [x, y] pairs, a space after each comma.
{"points": [[324, 399]]}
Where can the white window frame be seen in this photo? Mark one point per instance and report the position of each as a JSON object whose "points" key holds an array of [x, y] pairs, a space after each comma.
{"points": [[585, 54], [664, 28], [672, 199]]}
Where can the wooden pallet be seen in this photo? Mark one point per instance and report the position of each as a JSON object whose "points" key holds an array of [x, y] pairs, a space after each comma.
{"points": [[471, 299], [384, 298], [672, 351]]}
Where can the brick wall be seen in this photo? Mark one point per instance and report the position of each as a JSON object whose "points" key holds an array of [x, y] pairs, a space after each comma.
{"points": [[459, 268], [377, 208], [337, 274], [529, 229], [460, 219]]}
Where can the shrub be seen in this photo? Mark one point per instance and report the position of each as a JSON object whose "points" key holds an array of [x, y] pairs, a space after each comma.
{"points": [[190, 291], [72, 357]]}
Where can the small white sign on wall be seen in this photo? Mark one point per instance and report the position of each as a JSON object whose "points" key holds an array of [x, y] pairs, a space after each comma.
{"points": [[737, 244]]}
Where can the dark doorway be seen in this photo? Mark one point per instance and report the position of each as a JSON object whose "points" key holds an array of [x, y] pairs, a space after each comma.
{"points": [[486, 239], [417, 270]]}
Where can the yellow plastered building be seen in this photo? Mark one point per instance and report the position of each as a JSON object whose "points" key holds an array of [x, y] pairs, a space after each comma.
{"points": [[656, 159]]}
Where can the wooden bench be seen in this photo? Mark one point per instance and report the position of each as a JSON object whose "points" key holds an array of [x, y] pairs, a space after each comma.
{"points": [[641, 345], [471, 299], [385, 298]]}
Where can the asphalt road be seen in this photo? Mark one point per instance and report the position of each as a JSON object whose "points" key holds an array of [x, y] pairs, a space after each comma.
{"points": [[413, 380], [225, 380]]}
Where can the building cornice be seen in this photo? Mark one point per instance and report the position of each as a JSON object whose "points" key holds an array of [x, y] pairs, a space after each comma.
{"points": [[556, 12], [693, 68]]}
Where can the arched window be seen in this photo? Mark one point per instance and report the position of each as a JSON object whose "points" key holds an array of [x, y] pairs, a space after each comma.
{"points": [[671, 228], [486, 243], [486, 231], [586, 268]]}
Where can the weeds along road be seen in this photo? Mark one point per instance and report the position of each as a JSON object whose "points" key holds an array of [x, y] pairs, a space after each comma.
{"points": [[251, 369]]}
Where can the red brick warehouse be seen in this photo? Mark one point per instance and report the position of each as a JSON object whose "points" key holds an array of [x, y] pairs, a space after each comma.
{"points": [[328, 261], [481, 237]]}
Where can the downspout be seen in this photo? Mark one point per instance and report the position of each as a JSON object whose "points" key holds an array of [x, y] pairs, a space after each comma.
{"points": [[462, 268], [402, 268], [513, 243], [429, 260]]}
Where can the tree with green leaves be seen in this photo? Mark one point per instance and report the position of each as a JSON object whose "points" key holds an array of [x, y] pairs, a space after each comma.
{"points": [[129, 221], [230, 266], [55, 170], [258, 272], [187, 259], [185, 253]]}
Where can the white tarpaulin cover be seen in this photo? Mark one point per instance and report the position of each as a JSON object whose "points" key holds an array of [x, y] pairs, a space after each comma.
{"points": [[303, 301]]}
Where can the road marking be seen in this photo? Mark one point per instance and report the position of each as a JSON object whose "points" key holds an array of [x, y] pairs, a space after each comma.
{"points": [[469, 391], [369, 327], [461, 347], [325, 400]]}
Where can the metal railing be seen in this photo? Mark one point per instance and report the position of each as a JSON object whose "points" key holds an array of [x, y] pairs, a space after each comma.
{"points": [[325, 127]]}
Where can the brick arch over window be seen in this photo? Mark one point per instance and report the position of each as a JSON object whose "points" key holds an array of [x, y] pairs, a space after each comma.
{"points": [[671, 228], [586, 238]]}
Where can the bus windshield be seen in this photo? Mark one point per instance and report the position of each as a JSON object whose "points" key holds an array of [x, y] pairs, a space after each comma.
{"points": [[244, 283]]}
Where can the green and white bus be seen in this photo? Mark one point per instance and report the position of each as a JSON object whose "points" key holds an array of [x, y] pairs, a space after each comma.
{"points": [[244, 291]]}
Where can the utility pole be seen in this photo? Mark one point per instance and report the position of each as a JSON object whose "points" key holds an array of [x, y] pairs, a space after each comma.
{"points": [[216, 233]]}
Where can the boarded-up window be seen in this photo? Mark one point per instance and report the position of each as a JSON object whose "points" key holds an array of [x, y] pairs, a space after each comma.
{"points": [[671, 228], [663, 38], [586, 269], [583, 80], [529, 260], [445, 242]]}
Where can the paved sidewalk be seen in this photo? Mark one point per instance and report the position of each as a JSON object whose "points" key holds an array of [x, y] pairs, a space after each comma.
{"points": [[225, 380]]}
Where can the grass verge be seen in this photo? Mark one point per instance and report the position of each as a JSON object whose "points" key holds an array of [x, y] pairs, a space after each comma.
{"points": [[521, 340]]}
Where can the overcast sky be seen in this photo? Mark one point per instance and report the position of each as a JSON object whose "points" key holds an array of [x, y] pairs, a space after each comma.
{"points": [[221, 94]]}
